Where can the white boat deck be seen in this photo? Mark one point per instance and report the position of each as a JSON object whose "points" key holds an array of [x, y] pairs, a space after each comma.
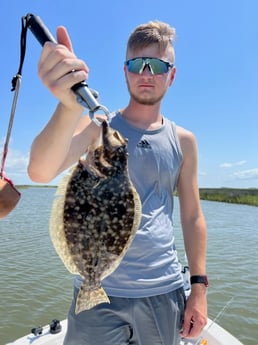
{"points": [[213, 334]]}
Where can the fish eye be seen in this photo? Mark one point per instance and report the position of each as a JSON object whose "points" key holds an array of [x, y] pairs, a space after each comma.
{"points": [[119, 137]]}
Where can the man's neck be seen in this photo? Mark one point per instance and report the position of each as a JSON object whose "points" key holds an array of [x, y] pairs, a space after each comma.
{"points": [[143, 116]]}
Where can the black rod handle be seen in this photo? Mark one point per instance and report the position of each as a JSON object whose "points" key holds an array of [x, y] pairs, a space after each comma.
{"points": [[39, 29], [43, 35]]}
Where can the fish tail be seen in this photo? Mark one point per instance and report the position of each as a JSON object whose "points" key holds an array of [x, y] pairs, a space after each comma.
{"points": [[87, 299]]}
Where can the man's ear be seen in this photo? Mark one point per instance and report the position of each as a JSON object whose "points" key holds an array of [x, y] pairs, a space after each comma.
{"points": [[172, 75]]}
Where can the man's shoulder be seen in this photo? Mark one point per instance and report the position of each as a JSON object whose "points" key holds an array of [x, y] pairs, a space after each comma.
{"points": [[181, 131], [186, 138], [184, 133]]}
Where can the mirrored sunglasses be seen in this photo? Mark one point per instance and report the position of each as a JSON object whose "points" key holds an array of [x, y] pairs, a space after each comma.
{"points": [[156, 66]]}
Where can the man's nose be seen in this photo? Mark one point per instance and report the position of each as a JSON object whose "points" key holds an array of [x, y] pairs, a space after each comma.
{"points": [[149, 70]]}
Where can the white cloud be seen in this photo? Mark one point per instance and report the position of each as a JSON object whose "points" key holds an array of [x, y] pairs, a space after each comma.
{"points": [[241, 162], [251, 174], [230, 165], [226, 165], [16, 162]]}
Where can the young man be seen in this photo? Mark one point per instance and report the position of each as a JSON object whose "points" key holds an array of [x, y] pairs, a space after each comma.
{"points": [[146, 291]]}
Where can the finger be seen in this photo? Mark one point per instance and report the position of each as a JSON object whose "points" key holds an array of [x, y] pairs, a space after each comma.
{"points": [[58, 60], [187, 326], [51, 55], [192, 329], [64, 38], [195, 329], [65, 83]]}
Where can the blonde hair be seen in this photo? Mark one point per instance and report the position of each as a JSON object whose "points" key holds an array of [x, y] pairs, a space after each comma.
{"points": [[153, 32]]}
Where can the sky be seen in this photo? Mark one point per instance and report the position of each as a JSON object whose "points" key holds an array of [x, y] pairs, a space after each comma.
{"points": [[214, 94]]}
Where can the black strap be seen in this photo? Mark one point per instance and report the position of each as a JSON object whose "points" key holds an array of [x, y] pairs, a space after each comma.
{"points": [[16, 82], [22, 51]]}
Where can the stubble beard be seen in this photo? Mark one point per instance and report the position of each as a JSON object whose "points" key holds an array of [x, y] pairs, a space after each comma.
{"points": [[144, 100]]}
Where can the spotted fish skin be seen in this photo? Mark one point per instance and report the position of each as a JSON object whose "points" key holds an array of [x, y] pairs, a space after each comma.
{"points": [[95, 217]]}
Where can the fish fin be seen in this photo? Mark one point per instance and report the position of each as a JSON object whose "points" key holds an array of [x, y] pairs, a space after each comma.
{"points": [[138, 210], [56, 225], [87, 299], [62, 186]]}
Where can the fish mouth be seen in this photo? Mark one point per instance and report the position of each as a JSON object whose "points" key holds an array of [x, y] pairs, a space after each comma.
{"points": [[108, 154], [111, 137]]}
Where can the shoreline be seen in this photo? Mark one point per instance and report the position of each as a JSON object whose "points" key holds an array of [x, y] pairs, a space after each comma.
{"points": [[248, 196], [245, 196]]}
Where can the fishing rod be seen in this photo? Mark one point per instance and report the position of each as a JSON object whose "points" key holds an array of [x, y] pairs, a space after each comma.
{"points": [[85, 96]]}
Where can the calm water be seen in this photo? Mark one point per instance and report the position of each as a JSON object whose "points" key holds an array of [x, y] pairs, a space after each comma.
{"points": [[36, 288]]}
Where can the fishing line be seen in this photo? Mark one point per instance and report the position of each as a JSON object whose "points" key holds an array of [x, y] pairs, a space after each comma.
{"points": [[218, 316]]}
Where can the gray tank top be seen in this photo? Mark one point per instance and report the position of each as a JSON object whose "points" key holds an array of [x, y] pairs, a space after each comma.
{"points": [[150, 267]]}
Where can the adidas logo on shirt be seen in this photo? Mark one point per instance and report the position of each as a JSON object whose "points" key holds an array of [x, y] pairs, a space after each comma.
{"points": [[144, 144]]}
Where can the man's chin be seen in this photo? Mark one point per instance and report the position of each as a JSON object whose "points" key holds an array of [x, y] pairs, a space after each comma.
{"points": [[145, 100]]}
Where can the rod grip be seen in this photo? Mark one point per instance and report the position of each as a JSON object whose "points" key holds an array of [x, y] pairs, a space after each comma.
{"points": [[43, 35], [39, 29]]}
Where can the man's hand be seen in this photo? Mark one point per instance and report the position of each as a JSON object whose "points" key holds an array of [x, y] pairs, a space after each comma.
{"points": [[60, 69], [195, 317]]}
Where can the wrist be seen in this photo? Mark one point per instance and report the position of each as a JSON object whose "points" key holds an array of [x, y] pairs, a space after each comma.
{"points": [[199, 279], [71, 108], [198, 290]]}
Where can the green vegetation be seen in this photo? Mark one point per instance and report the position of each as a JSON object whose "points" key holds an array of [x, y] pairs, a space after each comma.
{"points": [[231, 195], [25, 186]]}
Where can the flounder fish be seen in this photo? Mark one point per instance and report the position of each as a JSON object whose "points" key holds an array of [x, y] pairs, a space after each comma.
{"points": [[95, 215]]}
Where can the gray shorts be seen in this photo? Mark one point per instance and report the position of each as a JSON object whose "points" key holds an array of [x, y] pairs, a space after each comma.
{"points": [[128, 321]]}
